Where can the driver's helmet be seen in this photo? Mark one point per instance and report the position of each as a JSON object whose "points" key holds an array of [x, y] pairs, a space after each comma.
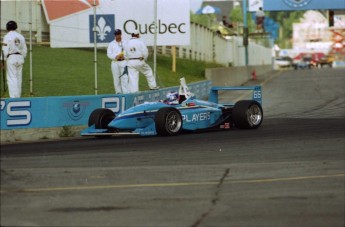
{"points": [[172, 98]]}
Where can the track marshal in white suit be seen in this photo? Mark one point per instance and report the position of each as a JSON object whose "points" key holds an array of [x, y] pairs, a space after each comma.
{"points": [[115, 53], [136, 53], [14, 51]]}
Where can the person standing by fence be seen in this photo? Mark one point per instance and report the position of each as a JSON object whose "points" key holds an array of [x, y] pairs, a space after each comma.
{"points": [[14, 51], [116, 55], [136, 53], [260, 18]]}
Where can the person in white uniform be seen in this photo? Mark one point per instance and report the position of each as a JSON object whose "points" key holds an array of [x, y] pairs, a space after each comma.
{"points": [[260, 18], [14, 51], [116, 55], [136, 54]]}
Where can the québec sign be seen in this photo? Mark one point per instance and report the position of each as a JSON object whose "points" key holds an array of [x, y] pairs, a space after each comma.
{"points": [[75, 28], [161, 28]]}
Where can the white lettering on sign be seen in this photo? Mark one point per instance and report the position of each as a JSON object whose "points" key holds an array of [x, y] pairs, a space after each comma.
{"points": [[162, 27], [20, 116], [114, 103], [197, 117], [138, 100]]}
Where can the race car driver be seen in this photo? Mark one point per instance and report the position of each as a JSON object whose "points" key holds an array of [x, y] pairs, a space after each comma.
{"points": [[172, 98]]}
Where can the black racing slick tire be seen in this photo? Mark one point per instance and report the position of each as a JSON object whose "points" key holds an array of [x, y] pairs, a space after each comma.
{"points": [[247, 114], [168, 122], [101, 118]]}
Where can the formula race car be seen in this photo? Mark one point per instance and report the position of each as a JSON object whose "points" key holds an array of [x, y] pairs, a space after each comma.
{"points": [[179, 112]]}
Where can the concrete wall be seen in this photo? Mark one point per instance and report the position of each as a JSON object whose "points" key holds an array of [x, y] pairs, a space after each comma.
{"points": [[234, 76]]}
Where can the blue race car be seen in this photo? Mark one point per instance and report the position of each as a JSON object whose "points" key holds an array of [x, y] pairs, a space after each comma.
{"points": [[180, 112]]}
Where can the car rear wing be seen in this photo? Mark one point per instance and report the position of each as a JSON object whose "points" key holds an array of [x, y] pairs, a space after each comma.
{"points": [[255, 90]]}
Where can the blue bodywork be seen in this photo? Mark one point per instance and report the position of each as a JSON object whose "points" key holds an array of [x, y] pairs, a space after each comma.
{"points": [[196, 115]]}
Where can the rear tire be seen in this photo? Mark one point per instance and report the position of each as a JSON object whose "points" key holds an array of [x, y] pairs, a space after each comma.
{"points": [[168, 122], [101, 118], [247, 114]]}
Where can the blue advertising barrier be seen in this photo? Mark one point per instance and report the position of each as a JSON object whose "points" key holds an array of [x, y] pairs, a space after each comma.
{"points": [[45, 112]]}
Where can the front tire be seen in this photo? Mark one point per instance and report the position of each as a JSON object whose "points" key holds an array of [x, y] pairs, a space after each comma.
{"points": [[168, 121], [247, 114], [101, 118]]}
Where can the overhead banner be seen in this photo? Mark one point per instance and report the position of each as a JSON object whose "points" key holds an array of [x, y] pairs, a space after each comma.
{"points": [[72, 22], [288, 5]]}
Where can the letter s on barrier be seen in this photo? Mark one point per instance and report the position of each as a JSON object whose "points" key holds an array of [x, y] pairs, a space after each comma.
{"points": [[21, 117]]}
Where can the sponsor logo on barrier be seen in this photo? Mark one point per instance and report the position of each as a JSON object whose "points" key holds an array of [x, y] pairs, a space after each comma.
{"points": [[17, 112], [76, 109], [139, 100], [154, 97]]}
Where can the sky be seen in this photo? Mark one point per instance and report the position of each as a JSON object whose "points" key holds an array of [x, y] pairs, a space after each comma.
{"points": [[195, 5]]}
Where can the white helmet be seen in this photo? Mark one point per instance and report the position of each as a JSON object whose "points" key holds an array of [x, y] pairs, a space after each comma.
{"points": [[172, 98]]}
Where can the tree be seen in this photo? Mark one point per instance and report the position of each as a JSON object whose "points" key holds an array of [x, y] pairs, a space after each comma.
{"points": [[236, 17], [203, 19]]}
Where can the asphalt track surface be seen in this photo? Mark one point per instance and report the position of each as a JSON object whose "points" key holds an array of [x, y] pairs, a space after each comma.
{"points": [[289, 172]]}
